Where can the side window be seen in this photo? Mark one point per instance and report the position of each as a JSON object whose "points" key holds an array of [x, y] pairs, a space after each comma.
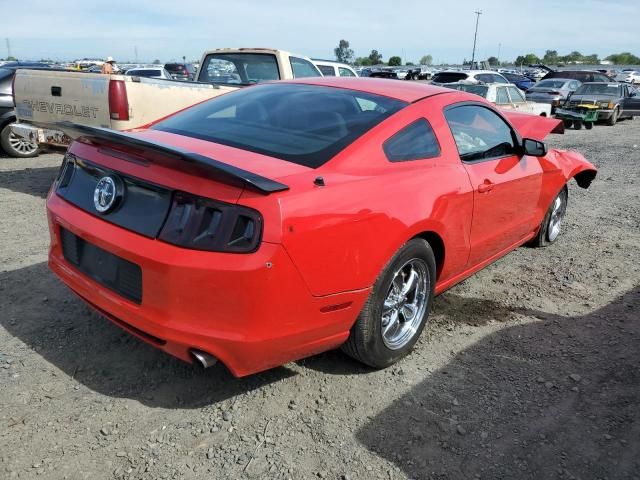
{"points": [[480, 133], [499, 78], [501, 96], [412, 143], [345, 72], [327, 70], [484, 77], [303, 68], [516, 96], [574, 85]]}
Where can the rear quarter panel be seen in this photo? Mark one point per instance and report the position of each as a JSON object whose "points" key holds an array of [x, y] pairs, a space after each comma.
{"points": [[342, 235]]}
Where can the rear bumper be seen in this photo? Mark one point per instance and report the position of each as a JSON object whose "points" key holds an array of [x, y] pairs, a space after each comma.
{"points": [[41, 136], [252, 312]]}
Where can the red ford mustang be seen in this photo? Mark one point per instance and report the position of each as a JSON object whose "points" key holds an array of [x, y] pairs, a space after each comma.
{"points": [[290, 218]]}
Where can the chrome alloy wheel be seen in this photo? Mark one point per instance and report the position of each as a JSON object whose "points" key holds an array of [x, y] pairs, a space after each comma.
{"points": [[21, 145], [557, 215], [405, 304]]}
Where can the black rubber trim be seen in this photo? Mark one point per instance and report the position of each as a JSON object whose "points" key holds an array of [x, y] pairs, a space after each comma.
{"points": [[221, 171]]}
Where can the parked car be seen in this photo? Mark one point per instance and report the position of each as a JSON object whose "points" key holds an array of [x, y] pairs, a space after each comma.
{"points": [[122, 102], [581, 75], [378, 73], [469, 76], [334, 69], [181, 71], [553, 91], [149, 72], [615, 101], [505, 97], [245, 236], [628, 76], [520, 81], [12, 144]]}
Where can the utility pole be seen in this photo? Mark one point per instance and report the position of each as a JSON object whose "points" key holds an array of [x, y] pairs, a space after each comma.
{"points": [[475, 37], [135, 50], [8, 47], [499, 48]]}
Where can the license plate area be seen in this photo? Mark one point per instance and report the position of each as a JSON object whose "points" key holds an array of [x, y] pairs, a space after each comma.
{"points": [[115, 273]]}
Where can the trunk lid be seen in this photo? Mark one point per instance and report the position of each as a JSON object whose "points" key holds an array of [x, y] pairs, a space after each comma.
{"points": [[44, 97]]}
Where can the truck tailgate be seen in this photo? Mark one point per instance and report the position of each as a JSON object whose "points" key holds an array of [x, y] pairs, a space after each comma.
{"points": [[45, 98]]}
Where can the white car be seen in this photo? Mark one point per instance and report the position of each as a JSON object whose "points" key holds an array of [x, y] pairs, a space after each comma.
{"points": [[628, 76], [334, 69], [468, 76], [505, 97], [155, 72]]}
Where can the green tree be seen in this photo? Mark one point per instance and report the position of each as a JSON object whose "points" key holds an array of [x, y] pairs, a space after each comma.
{"points": [[493, 61], [591, 59], [156, 62], [528, 59], [364, 61], [550, 57], [343, 53], [375, 57], [426, 60], [395, 61], [624, 58], [11, 58]]}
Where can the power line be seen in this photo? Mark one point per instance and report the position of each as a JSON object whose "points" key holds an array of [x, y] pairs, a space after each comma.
{"points": [[475, 37]]}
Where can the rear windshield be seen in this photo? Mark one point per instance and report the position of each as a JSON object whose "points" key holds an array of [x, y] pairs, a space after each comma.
{"points": [[145, 73], [175, 67], [239, 68], [551, 83], [303, 124], [582, 76], [612, 89], [476, 89], [449, 77]]}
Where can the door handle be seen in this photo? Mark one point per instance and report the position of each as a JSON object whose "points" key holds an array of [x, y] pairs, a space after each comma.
{"points": [[486, 187]]}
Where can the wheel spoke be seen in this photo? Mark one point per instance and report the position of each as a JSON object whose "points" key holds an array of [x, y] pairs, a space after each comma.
{"points": [[410, 283], [409, 311], [393, 322]]}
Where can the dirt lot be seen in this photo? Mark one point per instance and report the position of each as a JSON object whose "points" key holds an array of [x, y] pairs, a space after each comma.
{"points": [[530, 369]]}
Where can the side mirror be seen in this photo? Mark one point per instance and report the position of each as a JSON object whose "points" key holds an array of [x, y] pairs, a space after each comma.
{"points": [[534, 148]]}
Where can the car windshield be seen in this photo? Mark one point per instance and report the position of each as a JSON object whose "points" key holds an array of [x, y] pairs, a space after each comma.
{"points": [[611, 89], [175, 67], [550, 83], [475, 89], [449, 77], [303, 124], [239, 68]]}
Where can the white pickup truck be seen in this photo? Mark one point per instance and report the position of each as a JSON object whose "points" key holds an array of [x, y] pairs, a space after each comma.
{"points": [[44, 98]]}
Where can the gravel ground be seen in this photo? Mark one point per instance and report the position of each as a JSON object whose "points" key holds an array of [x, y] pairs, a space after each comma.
{"points": [[530, 369]]}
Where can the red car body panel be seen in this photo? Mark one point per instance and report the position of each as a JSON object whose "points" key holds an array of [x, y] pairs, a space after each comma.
{"points": [[323, 247]]}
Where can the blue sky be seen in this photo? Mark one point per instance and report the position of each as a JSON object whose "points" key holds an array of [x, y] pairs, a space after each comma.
{"points": [[167, 30]]}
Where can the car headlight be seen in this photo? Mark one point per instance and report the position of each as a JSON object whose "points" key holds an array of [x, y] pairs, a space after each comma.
{"points": [[604, 105]]}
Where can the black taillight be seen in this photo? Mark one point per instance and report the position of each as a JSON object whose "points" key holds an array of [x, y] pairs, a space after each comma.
{"points": [[204, 224], [66, 170]]}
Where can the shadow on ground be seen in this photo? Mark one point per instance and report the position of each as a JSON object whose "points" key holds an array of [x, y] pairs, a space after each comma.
{"points": [[558, 398], [39, 310], [32, 181]]}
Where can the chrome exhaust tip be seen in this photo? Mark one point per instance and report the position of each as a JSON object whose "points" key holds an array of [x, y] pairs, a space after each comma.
{"points": [[203, 358]]}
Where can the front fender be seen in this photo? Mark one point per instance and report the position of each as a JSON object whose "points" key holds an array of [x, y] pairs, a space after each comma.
{"points": [[574, 165]]}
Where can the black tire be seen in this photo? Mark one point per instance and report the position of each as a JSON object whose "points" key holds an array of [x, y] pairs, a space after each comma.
{"points": [[613, 119], [545, 236], [7, 141], [568, 123], [577, 125], [366, 343], [588, 125]]}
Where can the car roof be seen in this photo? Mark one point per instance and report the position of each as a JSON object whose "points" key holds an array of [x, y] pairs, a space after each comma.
{"points": [[398, 89], [329, 62]]}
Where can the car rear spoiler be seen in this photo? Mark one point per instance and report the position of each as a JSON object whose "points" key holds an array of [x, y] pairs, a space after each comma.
{"points": [[534, 126], [219, 170]]}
